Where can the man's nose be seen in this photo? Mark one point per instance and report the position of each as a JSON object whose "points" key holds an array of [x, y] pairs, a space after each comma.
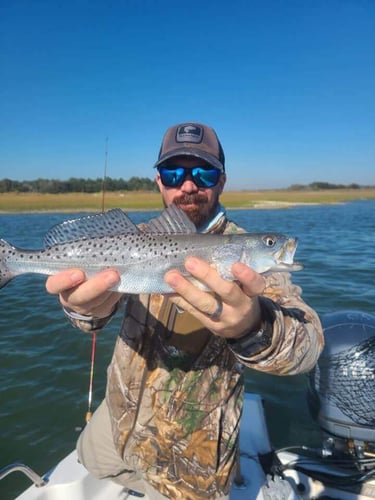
{"points": [[189, 185]]}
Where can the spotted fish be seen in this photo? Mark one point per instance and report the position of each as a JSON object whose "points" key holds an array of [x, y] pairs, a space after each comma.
{"points": [[143, 256]]}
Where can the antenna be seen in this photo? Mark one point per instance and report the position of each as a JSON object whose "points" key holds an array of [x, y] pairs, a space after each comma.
{"points": [[105, 172]]}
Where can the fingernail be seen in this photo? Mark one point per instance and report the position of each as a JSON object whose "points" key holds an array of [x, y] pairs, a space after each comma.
{"points": [[76, 277], [111, 279], [191, 264], [172, 279], [238, 268]]}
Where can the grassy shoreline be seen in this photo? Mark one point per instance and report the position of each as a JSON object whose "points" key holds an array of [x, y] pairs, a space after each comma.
{"points": [[128, 201]]}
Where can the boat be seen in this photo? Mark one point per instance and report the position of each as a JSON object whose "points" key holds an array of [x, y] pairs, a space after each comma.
{"points": [[342, 399]]}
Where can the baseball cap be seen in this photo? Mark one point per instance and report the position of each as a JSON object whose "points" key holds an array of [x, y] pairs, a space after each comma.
{"points": [[192, 139]]}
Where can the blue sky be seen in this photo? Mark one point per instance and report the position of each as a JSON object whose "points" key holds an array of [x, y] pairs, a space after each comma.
{"points": [[287, 85]]}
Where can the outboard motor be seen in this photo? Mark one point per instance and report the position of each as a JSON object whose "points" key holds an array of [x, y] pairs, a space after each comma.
{"points": [[342, 385]]}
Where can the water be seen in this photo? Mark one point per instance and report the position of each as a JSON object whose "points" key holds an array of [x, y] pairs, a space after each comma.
{"points": [[44, 362]]}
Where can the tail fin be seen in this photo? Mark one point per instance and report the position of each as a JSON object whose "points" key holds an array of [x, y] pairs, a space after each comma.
{"points": [[5, 274]]}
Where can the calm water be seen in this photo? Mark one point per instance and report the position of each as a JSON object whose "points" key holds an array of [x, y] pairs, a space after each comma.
{"points": [[44, 362]]}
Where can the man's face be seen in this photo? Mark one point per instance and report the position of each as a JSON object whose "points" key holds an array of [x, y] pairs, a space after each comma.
{"points": [[198, 203]]}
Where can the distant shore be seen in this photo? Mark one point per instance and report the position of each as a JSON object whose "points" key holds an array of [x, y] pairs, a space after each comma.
{"points": [[141, 200]]}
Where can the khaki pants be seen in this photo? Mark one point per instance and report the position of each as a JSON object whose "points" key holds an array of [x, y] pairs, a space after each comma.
{"points": [[97, 452]]}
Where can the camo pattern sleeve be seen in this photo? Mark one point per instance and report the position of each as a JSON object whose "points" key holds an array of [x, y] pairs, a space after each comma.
{"points": [[296, 338]]}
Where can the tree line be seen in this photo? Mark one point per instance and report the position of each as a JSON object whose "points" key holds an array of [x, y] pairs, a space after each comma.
{"points": [[77, 185], [80, 185], [316, 186]]}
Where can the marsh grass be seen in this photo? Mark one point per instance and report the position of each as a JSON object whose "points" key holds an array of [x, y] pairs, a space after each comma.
{"points": [[71, 202], [145, 200]]}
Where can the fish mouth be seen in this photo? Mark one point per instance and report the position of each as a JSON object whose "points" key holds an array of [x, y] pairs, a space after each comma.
{"points": [[285, 256]]}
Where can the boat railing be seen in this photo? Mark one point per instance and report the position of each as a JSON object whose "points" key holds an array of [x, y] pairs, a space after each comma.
{"points": [[25, 469]]}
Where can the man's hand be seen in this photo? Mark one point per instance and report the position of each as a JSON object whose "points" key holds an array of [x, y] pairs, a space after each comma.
{"points": [[240, 306], [91, 297]]}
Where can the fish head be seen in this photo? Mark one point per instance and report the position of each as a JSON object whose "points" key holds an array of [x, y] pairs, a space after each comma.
{"points": [[271, 252]]}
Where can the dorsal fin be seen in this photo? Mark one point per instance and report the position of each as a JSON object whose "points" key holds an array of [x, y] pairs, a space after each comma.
{"points": [[173, 220], [111, 223]]}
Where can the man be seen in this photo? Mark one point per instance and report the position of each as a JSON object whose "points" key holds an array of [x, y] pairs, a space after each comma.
{"points": [[169, 423]]}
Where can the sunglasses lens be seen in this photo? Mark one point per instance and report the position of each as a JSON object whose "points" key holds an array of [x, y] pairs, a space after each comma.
{"points": [[172, 177], [205, 177]]}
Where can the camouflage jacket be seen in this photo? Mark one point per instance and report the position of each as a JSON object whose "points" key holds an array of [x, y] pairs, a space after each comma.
{"points": [[174, 389]]}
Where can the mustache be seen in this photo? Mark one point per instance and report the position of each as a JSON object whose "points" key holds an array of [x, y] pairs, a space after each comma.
{"points": [[191, 199]]}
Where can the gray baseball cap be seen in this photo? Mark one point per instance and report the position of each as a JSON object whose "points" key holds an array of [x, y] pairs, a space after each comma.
{"points": [[192, 139]]}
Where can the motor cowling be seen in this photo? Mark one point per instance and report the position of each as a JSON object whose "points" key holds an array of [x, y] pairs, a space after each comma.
{"points": [[342, 384]]}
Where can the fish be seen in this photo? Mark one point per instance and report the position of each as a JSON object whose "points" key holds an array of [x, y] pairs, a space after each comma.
{"points": [[142, 256]]}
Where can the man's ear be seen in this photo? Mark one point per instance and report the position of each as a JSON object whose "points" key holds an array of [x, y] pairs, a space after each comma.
{"points": [[222, 181]]}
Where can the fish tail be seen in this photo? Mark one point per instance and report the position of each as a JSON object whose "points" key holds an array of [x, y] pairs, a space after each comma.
{"points": [[5, 273]]}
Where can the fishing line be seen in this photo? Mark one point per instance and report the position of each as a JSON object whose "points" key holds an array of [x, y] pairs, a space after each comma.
{"points": [[91, 378]]}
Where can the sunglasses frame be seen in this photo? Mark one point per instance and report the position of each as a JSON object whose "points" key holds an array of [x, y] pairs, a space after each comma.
{"points": [[194, 172]]}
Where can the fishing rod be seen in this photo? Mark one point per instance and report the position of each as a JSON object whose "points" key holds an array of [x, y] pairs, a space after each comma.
{"points": [[105, 173], [93, 334]]}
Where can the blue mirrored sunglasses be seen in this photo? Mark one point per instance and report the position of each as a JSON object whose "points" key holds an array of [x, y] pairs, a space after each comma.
{"points": [[175, 176]]}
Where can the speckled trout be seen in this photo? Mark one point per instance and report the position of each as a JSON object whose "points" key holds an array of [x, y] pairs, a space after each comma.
{"points": [[143, 256]]}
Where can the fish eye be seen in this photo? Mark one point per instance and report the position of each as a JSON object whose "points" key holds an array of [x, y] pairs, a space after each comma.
{"points": [[269, 241]]}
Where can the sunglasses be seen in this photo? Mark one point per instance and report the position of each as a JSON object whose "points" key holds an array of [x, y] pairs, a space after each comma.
{"points": [[175, 176]]}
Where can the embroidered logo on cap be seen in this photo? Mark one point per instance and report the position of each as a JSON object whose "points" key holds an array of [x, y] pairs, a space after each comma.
{"points": [[189, 133]]}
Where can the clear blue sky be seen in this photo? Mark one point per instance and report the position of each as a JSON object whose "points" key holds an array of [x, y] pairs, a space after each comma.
{"points": [[288, 86]]}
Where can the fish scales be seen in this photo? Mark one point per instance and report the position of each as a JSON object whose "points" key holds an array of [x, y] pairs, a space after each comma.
{"points": [[143, 257]]}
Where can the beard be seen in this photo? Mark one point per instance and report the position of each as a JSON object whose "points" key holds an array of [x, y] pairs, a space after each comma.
{"points": [[195, 206]]}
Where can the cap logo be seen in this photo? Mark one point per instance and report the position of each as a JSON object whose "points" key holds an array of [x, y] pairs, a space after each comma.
{"points": [[189, 133]]}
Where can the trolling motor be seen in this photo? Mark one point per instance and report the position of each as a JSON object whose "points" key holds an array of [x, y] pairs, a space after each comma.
{"points": [[341, 391]]}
